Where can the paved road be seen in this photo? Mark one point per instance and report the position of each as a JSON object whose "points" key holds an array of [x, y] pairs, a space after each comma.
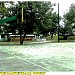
{"points": [[38, 57]]}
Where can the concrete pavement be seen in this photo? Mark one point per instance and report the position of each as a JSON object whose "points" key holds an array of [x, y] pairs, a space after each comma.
{"points": [[38, 57]]}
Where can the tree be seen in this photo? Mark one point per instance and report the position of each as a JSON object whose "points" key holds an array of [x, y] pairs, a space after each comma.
{"points": [[41, 19], [3, 9], [41, 13], [45, 19], [69, 19], [6, 11], [52, 23]]}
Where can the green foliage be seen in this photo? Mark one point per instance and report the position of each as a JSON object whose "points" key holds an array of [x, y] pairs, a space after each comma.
{"points": [[41, 19], [3, 9], [71, 37], [69, 19]]}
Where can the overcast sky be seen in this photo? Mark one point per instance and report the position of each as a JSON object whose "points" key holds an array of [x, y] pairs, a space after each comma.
{"points": [[64, 5]]}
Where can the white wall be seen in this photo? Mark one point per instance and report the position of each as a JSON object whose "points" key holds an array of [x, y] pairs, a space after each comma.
{"points": [[0, 37]]}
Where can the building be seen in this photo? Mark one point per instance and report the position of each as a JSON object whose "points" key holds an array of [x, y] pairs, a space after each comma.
{"points": [[16, 37]]}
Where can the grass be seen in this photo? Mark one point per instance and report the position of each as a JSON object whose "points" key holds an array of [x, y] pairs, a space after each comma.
{"points": [[69, 39], [54, 39]]}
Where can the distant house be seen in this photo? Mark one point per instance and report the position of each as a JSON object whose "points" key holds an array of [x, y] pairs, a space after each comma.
{"points": [[15, 37], [29, 37], [4, 37]]}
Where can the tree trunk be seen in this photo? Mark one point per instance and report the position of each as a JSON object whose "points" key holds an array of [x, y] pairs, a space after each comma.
{"points": [[22, 39], [51, 35]]}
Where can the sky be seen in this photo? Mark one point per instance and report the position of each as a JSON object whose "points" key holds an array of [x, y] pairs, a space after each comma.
{"points": [[63, 5]]}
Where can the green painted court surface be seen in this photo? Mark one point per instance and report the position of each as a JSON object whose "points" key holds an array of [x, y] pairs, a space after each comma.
{"points": [[38, 57]]}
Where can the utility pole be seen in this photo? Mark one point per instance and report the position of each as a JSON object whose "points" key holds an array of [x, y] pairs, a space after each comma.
{"points": [[21, 41], [58, 22]]}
